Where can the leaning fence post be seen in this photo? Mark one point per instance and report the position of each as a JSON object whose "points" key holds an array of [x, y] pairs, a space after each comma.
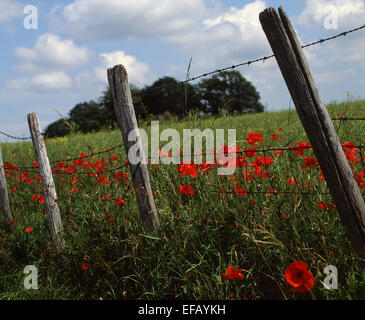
{"points": [[4, 197], [317, 124], [48, 186], [124, 110]]}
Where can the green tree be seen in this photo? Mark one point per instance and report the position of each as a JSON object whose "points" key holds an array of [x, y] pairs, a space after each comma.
{"points": [[88, 116], [57, 129], [231, 91], [106, 102], [167, 95]]}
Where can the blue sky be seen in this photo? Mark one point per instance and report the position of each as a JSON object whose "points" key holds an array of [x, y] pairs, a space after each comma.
{"points": [[64, 61]]}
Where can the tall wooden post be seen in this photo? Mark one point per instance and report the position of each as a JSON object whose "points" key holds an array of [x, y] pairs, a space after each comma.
{"points": [[124, 110], [317, 124], [4, 197], [48, 186]]}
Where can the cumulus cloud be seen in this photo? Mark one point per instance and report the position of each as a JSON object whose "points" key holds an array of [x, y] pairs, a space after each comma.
{"points": [[137, 71], [10, 9], [227, 38], [42, 82], [110, 18], [52, 52], [190, 26], [349, 12]]}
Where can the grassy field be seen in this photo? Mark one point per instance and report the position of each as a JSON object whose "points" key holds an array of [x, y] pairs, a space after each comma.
{"points": [[108, 254]]}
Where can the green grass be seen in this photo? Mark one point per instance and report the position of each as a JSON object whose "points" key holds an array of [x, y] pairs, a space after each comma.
{"points": [[201, 234]]}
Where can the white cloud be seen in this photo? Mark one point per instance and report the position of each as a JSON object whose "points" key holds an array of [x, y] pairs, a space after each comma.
{"points": [[124, 18], [189, 26], [54, 80], [52, 52], [349, 12], [10, 9], [332, 77], [42, 82], [227, 38], [137, 71]]}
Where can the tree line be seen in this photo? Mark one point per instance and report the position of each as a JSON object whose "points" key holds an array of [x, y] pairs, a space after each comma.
{"points": [[165, 98]]}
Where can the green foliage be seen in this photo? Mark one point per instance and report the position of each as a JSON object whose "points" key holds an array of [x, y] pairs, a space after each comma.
{"points": [[57, 129], [166, 95], [166, 98], [230, 91]]}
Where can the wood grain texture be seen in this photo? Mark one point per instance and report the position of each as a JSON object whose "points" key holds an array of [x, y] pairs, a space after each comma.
{"points": [[4, 197], [124, 110], [317, 124], [48, 186]]}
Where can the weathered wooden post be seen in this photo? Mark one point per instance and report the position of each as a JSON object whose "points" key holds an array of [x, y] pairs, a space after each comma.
{"points": [[124, 110], [48, 186], [4, 197], [317, 124]]}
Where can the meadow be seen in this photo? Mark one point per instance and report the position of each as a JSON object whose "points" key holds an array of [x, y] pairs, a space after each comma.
{"points": [[273, 211]]}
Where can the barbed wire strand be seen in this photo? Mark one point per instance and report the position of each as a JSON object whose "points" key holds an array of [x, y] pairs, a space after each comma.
{"points": [[263, 59], [247, 150]]}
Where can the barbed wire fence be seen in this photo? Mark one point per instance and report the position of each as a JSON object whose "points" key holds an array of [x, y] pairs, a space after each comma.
{"points": [[273, 192]]}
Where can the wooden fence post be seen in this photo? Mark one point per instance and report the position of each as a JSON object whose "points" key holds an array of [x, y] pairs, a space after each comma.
{"points": [[317, 124], [124, 110], [4, 197], [48, 186]]}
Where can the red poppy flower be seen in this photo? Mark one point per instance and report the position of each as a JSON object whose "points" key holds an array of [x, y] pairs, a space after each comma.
{"points": [[187, 190], [323, 205], [238, 190], [78, 162], [274, 137], [85, 266], [41, 199], [251, 153], [103, 180], [292, 181], [298, 276], [309, 162], [29, 229], [277, 152], [188, 169], [74, 190], [111, 220], [254, 137], [233, 273], [264, 161], [119, 175], [120, 202], [35, 164]]}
